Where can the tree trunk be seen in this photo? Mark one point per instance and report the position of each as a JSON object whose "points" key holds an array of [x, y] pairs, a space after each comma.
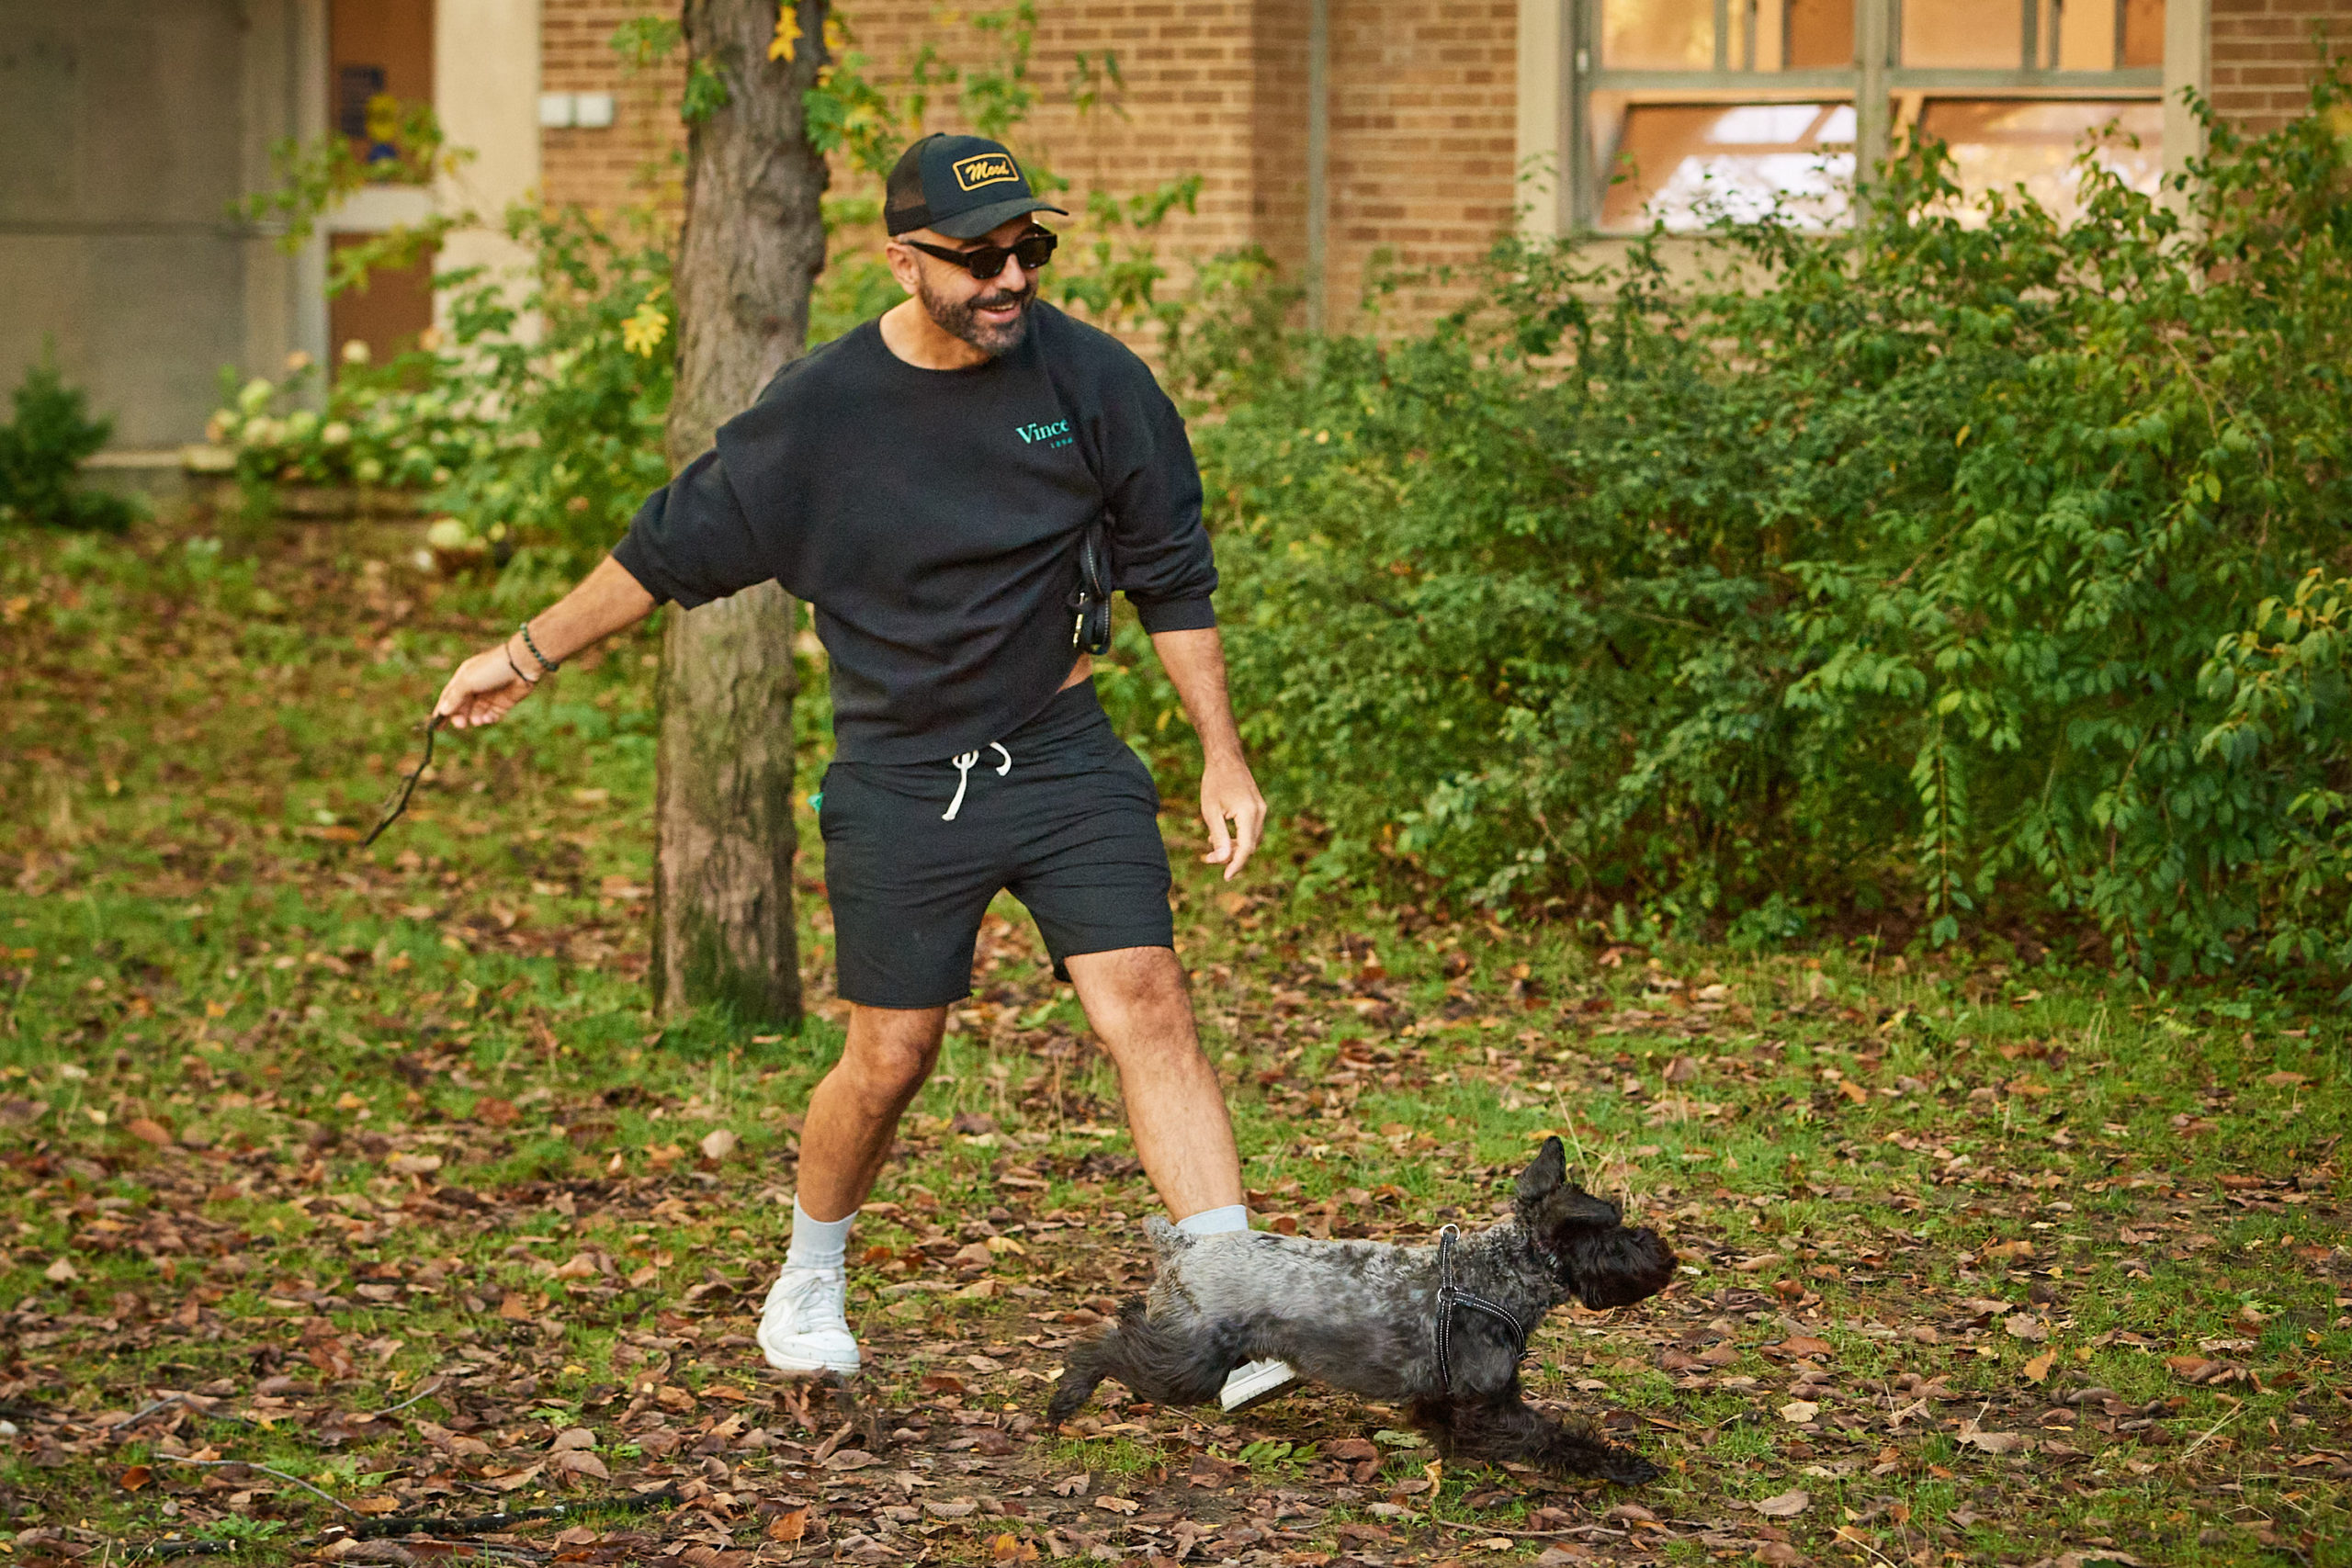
{"points": [[754, 240]]}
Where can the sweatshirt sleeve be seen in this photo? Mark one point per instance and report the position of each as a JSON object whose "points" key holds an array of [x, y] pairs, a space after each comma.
{"points": [[691, 542], [1159, 550]]}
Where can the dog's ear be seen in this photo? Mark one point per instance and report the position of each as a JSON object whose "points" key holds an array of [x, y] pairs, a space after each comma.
{"points": [[1545, 1174]]}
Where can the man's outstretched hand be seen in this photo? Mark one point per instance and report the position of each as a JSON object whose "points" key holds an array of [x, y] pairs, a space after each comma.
{"points": [[1228, 792], [492, 682], [481, 692]]}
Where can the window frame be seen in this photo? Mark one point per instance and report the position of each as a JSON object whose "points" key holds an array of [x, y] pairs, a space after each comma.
{"points": [[1875, 75]]}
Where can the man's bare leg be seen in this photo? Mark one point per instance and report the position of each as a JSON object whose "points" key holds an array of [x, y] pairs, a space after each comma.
{"points": [[852, 1118], [1136, 1001], [1141, 1010], [855, 1112]]}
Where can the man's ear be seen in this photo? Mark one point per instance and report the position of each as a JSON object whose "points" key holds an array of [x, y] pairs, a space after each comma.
{"points": [[1546, 1174], [905, 265]]}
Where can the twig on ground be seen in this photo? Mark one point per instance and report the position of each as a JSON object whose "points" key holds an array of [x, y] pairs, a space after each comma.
{"points": [[222, 1463], [138, 1415], [2227, 1417], [483, 1524], [432, 1386], [1531, 1535]]}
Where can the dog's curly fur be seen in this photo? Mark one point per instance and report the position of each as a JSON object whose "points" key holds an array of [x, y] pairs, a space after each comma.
{"points": [[1362, 1317]]}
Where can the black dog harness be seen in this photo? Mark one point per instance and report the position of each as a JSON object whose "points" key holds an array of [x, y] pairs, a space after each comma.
{"points": [[1449, 1297]]}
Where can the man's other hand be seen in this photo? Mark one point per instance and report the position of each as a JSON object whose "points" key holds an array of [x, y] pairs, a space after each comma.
{"points": [[1228, 793], [481, 690]]}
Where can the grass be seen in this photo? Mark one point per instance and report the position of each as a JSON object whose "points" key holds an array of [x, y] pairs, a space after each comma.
{"points": [[1990, 1262]]}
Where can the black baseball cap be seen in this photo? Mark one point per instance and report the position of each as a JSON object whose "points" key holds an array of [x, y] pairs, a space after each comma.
{"points": [[961, 186]]}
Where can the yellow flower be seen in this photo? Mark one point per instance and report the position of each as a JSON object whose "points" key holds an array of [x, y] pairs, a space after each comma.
{"points": [[643, 332], [788, 33]]}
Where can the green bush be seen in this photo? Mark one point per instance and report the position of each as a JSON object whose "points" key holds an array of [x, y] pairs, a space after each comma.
{"points": [[574, 410], [42, 450], [406, 426], [1880, 568]]}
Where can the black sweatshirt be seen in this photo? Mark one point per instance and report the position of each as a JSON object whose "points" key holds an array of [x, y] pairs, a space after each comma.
{"points": [[932, 518]]}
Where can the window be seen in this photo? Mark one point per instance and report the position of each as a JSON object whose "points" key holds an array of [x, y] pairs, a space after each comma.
{"points": [[1682, 110]]}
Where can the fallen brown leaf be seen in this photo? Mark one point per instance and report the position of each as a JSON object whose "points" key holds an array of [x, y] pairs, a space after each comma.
{"points": [[1972, 1436]]}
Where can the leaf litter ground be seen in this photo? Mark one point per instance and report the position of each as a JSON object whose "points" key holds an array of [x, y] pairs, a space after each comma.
{"points": [[357, 1210]]}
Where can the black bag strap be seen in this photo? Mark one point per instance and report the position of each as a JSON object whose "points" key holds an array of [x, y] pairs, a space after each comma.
{"points": [[1091, 600], [1091, 627]]}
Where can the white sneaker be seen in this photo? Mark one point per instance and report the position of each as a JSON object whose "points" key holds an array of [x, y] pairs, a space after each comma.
{"points": [[802, 1328], [1254, 1382]]}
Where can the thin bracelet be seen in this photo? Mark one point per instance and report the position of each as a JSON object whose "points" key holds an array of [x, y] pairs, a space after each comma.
{"points": [[516, 668], [546, 664]]}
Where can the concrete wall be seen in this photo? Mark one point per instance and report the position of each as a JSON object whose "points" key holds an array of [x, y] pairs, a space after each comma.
{"points": [[130, 127], [486, 90]]}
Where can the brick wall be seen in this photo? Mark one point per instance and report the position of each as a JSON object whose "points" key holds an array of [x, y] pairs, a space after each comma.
{"points": [[1190, 107], [1424, 99], [1422, 114], [2262, 58], [1421, 133], [633, 161]]}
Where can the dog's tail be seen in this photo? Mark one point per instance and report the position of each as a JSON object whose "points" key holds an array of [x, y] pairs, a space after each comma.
{"points": [[1167, 1241]]}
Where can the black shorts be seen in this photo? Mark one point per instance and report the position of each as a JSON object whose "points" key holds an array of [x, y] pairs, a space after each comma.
{"points": [[1060, 812]]}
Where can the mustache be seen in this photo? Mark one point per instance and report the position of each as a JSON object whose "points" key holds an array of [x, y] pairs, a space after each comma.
{"points": [[1000, 297]]}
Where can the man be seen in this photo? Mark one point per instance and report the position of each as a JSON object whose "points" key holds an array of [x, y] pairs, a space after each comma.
{"points": [[926, 482]]}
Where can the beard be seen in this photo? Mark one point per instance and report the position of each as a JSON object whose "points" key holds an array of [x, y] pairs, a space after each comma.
{"points": [[959, 318]]}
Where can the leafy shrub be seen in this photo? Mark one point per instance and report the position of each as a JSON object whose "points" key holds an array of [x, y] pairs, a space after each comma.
{"points": [[408, 424], [42, 450], [575, 408], [535, 420], [1883, 568]]}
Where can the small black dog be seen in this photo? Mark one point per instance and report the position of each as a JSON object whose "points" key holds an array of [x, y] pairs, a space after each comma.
{"points": [[1440, 1330]]}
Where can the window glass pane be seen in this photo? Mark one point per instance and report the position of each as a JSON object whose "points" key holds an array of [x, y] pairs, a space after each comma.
{"points": [[1999, 145], [2086, 34], [1657, 34], [1684, 162], [2144, 32], [1820, 34], [1964, 34]]}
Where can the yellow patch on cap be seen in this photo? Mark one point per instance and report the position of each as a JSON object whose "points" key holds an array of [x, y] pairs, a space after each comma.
{"points": [[985, 169]]}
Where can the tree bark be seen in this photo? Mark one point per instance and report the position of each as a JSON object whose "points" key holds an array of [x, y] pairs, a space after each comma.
{"points": [[754, 240]]}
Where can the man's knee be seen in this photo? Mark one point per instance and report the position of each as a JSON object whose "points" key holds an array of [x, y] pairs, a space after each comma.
{"points": [[890, 1053], [1139, 1000], [1131, 980]]}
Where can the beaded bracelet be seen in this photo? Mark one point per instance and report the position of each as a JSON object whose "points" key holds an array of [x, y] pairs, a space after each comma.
{"points": [[549, 665]]}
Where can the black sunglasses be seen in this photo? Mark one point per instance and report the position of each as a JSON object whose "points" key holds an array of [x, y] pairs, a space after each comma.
{"points": [[1034, 249]]}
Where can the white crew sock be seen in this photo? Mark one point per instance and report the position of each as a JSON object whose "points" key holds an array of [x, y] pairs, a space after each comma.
{"points": [[818, 1244], [1216, 1221]]}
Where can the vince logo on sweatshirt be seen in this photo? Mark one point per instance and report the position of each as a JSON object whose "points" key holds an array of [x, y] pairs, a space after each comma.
{"points": [[1054, 435]]}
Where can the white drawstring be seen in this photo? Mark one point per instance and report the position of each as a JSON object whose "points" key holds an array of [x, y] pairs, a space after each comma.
{"points": [[963, 766]]}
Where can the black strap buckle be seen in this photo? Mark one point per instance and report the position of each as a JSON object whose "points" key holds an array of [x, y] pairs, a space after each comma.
{"points": [[1449, 1297], [1090, 631]]}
